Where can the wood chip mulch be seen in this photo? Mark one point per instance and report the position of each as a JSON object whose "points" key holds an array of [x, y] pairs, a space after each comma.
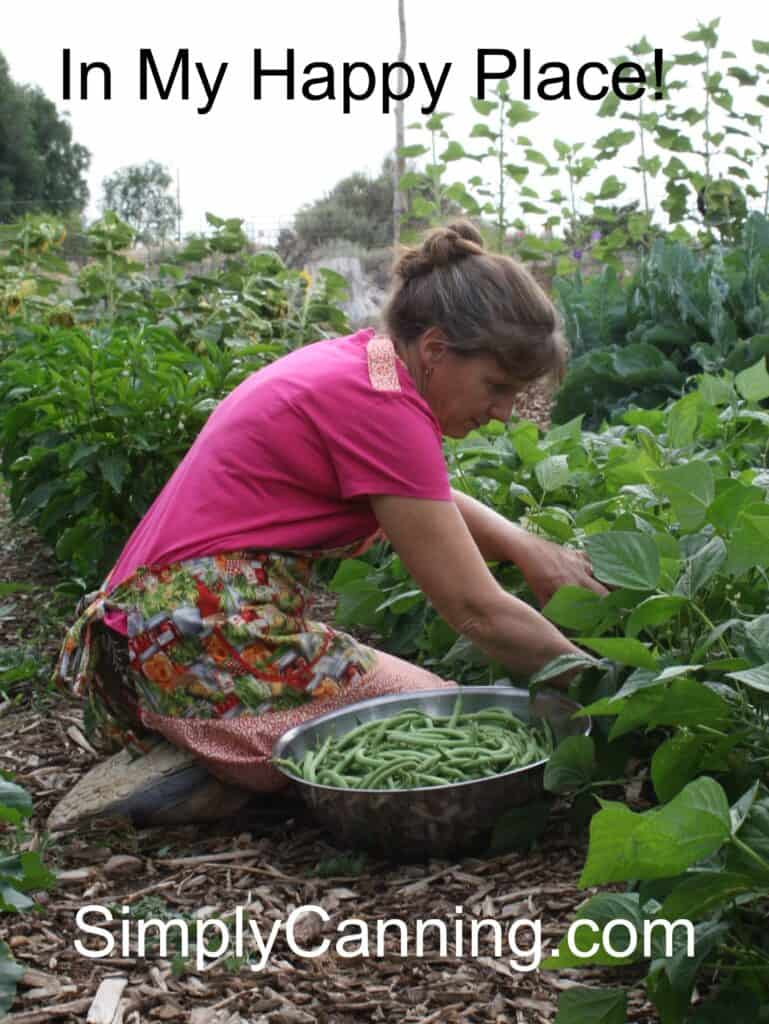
{"points": [[266, 862]]}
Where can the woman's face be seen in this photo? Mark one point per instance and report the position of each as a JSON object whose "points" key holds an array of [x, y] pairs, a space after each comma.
{"points": [[463, 392]]}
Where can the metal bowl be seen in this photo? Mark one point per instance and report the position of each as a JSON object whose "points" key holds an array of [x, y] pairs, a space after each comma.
{"points": [[434, 821]]}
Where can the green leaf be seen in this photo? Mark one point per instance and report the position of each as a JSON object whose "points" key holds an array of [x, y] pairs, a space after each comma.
{"points": [[603, 910], [689, 58], [749, 544], [525, 440], [671, 978], [686, 702], [760, 46], [753, 383], [483, 107], [15, 802], [757, 636], [519, 112], [704, 34], [349, 569], [611, 187], [700, 893], [10, 973], [592, 1006], [563, 663], [683, 419], [412, 151], [454, 151], [714, 390], [482, 131], [740, 810], [660, 843], [575, 608], [358, 604], [731, 497], [702, 567], [654, 611], [676, 762], [114, 469], [754, 833], [571, 765], [755, 678], [609, 106], [553, 472], [690, 488], [624, 650], [518, 172], [35, 875], [14, 901], [518, 492], [624, 559], [571, 431]]}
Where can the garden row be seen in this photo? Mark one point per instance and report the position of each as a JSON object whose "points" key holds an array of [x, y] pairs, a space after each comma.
{"points": [[672, 505], [105, 381]]}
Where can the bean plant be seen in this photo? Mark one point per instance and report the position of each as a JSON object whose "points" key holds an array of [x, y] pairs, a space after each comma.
{"points": [[104, 386], [710, 153], [672, 505]]}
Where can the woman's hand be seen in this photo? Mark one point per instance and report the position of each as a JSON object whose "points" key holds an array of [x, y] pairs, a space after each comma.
{"points": [[547, 567], [440, 553]]}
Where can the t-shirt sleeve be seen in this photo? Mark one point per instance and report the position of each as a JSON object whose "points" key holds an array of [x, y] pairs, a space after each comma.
{"points": [[393, 449]]}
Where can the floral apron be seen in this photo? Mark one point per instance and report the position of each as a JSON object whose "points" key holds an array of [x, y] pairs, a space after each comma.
{"points": [[213, 638]]}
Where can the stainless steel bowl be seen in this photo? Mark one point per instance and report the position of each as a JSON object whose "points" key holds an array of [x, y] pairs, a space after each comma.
{"points": [[435, 821]]}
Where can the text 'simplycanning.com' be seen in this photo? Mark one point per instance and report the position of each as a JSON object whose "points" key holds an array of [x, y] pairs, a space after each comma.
{"points": [[462, 937]]}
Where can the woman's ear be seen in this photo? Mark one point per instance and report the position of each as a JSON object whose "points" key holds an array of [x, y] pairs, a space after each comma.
{"points": [[434, 345]]}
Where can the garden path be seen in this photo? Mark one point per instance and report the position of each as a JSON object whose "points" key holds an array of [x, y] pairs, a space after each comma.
{"points": [[272, 857]]}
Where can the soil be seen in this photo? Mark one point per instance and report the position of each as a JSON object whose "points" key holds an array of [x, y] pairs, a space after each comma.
{"points": [[269, 860]]}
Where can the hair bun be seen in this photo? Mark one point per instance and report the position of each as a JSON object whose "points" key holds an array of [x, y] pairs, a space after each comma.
{"points": [[441, 246]]}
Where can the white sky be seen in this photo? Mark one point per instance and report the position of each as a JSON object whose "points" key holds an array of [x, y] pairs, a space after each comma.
{"points": [[260, 160]]}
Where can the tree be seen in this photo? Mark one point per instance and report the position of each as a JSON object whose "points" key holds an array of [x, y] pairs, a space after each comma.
{"points": [[357, 208], [138, 195], [41, 169], [399, 163]]}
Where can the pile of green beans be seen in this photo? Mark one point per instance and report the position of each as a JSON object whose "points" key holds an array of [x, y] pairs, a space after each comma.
{"points": [[413, 749]]}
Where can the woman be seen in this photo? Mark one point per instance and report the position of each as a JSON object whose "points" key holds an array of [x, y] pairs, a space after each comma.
{"points": [[201, 634]]}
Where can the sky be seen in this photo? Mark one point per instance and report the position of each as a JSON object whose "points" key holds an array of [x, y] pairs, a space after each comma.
{"points": [[260, 160]]}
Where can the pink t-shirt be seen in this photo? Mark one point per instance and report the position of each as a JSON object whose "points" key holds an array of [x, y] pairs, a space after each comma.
{"points": [[286, 461]]}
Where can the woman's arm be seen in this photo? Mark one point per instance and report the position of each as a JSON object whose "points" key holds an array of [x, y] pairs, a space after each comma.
{"points": [[438, 550], [546, 566]]}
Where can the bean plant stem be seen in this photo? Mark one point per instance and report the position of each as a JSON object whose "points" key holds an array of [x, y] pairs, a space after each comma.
{"points": [[467, 484], [707, 114], [750, 854], [644, 175], [711, 627], [437, 199], [573, 199], [501, 191]]}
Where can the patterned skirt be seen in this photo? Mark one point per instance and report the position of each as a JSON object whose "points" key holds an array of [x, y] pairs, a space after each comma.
{"points": [[220, 656]]}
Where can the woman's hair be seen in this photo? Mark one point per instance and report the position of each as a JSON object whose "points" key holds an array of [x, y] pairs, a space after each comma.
{"points": [[484, 303]]}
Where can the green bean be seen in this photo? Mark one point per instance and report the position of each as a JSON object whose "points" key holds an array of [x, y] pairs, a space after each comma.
{"points": [[456, 712], [309, 766], [413, 749]]}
